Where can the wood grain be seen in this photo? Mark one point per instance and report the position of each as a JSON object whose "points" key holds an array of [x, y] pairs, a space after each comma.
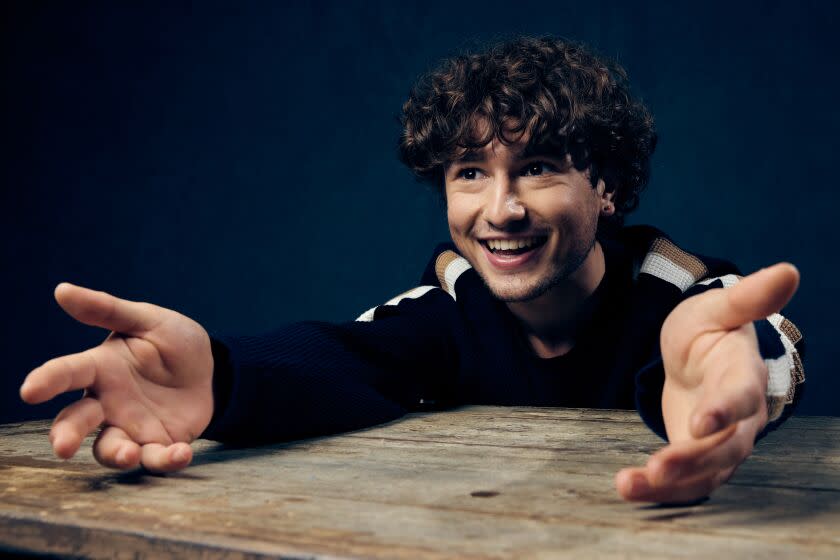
{"points": [[476, 482]]}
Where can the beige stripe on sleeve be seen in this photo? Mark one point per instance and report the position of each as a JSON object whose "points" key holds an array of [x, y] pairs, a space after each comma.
{"points": [[448, 267], [443, 260], [790, 330], [668, 262], [686, 261]]}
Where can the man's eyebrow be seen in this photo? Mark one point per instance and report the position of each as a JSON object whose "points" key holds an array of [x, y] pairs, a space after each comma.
{"points": [[470, 156], [524, 153]]}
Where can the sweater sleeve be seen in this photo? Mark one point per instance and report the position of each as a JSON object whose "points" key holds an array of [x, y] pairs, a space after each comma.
{"points": [[315, 378], [781, 346]]}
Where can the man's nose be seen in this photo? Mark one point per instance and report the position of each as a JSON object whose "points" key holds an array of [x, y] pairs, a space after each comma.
{"points": [[504, 207]]}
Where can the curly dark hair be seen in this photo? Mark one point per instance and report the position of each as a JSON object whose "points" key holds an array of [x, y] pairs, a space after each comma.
{"points": [[554, 90]]}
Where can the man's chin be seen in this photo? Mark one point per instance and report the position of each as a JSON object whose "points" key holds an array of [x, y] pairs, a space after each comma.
{"points": [[519, 292]]}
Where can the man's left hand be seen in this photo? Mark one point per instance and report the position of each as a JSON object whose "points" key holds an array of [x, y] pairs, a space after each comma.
{"points": [[713, 400]]}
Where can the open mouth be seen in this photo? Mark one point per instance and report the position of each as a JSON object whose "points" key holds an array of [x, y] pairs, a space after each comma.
{"points": [[513, 247]]}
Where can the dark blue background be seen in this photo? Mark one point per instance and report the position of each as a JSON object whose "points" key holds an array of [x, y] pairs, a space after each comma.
{"points": [[236, 161]]}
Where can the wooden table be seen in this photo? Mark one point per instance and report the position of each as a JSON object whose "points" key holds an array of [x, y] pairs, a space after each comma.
{"points": [[477, 482]]}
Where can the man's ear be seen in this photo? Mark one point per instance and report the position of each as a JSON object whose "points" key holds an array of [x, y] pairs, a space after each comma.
{"points": [[607, 199]]}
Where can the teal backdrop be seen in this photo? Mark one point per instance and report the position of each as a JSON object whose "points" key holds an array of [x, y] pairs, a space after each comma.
{"points": [[235, 161]]}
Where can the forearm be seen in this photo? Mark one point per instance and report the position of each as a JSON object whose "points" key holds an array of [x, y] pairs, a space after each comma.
{"points": [[290, 385], [314, 378]]}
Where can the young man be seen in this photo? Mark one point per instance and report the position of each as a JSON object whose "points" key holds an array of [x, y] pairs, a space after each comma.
{"points": [[544, 299]]}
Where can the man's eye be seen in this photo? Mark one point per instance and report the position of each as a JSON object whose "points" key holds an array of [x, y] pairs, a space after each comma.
{"points": [[470, 174], [537, 168]]}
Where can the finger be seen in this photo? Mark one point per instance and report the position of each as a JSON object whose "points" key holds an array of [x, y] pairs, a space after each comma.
{"points": [[60, 375], [101, 309], [633, 484], [114, 448], [140, 423], [73, 424], [684, 465], [755, 297], [637, 481], [162, 458], [737, 395], [664, 467]]}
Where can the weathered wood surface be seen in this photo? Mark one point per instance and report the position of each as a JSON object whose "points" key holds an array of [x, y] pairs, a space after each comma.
{"points": [[478, 482]]}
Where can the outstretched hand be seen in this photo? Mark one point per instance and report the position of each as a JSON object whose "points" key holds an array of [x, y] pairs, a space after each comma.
{"points": [[713, 400], [149, 383]]}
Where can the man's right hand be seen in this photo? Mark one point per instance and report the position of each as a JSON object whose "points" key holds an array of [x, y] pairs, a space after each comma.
{"points": [[150, 383]]}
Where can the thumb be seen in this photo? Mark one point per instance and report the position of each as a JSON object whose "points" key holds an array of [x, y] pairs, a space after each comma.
{"points": [[100, 309], [755, 297]]}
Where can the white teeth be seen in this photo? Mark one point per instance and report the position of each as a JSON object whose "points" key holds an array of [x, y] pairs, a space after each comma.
{"points": [[509, 244]]}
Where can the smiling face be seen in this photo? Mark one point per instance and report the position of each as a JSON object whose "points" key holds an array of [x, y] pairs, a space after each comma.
{"points": [[525, 221]]}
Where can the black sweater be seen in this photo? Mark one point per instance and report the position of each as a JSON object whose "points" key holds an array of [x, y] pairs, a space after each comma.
{"points": [[450, 342]]}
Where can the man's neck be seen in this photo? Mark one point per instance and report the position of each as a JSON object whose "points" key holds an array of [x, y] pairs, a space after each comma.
{"points": [[552, 321]]}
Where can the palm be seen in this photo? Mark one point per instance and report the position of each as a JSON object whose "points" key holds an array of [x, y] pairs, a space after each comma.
{"points": [[149, 383], [148, 380], [698, 362]]}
